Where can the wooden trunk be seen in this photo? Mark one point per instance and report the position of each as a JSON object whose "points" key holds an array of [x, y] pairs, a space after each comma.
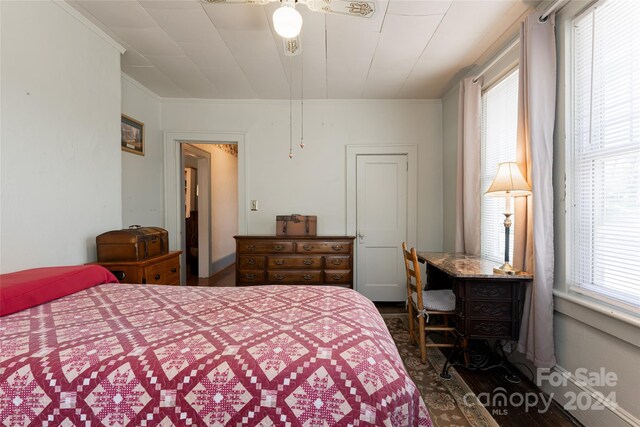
{"points": [[296, 225], [132, 244]]}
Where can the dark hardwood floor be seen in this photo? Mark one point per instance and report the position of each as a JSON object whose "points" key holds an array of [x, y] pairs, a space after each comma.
{"points": [[225, 277], [492, 384]]}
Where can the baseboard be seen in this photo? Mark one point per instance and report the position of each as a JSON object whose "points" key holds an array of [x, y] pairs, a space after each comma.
{"points": [[611, 415], [222, 263]]}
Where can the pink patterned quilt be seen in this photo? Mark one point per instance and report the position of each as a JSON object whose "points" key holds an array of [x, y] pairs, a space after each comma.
{"points": [[119, 354]]}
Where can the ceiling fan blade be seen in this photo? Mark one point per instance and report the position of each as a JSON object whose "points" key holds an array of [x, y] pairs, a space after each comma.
{"points": [[362, 9], [292, 46], [260, 2]]}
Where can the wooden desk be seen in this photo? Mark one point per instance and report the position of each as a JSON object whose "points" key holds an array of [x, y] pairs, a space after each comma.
{"points": [[488, 305]]}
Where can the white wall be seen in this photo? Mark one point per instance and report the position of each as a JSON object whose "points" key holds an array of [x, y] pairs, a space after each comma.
{"points": [[142, 176], [224, 206], [449, 161], [60, 151], [314, 181]]}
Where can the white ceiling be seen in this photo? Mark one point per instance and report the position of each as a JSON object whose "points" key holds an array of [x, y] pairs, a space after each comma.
{"points": [[408, 49]]}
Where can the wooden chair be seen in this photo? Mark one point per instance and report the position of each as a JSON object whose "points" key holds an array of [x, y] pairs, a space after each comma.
{"points": [[423, 305]]}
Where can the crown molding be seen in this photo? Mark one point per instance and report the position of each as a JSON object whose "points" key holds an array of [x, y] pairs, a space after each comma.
{"points": [[307, 101], [90, 25]]}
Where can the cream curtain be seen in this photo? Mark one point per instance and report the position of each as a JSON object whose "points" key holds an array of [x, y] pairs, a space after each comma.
{"points": [[468, 177], [533, 250]]}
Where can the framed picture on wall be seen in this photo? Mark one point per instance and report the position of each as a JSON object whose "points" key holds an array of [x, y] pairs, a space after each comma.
{"points": [[132, 135]]}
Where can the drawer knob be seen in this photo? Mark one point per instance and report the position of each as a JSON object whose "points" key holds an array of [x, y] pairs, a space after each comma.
{"points": [[307, 247], [173, 270], [307, 276], [337, 276], [336, 261], [279, 262], [337, 247], [251, 247], [249, 276], [157, 277], [278, 247], [251, 261], [279, 277], [307, 261]]}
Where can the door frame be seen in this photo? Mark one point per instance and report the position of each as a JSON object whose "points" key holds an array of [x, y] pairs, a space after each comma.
{"points": [[174, 185], [411, 151]]}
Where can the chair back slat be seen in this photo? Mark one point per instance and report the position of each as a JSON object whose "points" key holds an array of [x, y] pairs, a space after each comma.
{"points": [[414, 278]]}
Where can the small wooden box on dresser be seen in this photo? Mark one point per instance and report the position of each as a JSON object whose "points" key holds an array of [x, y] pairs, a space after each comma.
{"points": [[160, 270], [272, 260]]}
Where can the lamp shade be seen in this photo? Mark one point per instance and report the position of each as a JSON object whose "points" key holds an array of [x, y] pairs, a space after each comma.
{"points": [[287, 21], [509, 181]]}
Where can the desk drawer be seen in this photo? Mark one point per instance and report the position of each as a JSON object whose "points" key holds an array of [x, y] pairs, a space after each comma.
{"points": [[490, 309], [298, 277], [491, 291], [488, 329]]}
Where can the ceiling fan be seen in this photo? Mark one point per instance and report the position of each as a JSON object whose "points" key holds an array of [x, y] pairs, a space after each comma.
{"points": [[287, 21]]}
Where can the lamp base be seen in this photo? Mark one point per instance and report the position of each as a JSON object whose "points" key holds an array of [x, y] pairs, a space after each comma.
{"points": [[505, 268]]}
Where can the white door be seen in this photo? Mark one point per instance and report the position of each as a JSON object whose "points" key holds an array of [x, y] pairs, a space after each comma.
{"points": [[381, 221]]}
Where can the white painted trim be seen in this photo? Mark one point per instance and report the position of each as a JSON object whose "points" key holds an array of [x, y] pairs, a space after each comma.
{"points": [[613, 322], [411, 151], [140, 86], [612, 415], [173, 187], [307, 101], [90, 25]]}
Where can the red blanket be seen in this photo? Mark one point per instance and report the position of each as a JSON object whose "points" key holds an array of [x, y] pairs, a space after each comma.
{"points": [[154, 355], [28, 288]]}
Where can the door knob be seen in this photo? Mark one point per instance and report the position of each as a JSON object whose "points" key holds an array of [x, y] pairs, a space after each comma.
{"points": [[360, 236]]}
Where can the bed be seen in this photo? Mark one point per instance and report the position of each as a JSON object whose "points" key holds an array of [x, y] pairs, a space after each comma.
{"points": [[122, 354]]}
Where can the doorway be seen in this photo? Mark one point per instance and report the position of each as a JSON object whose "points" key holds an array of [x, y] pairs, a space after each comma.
{"points": [[210, 209], [381, 213], [174, 183]]}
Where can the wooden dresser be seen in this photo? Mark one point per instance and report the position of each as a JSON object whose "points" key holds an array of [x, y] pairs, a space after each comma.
{"points": [[271, 260], [160, 270]]}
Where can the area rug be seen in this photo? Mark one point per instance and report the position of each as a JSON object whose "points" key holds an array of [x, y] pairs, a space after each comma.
{"points": [[450, 402]]}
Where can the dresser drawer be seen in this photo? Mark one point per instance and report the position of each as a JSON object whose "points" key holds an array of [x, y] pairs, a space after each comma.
{"points": [[298, 277], [337, 262], [171, 269], [251, 276], [265, 247], [323, 247], [490, 309], [293, 261], [337, 276], [155, 274], [249, 262]]}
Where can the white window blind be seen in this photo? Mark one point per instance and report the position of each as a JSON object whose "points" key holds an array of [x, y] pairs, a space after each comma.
{"points": [[499, 133], [605, 171]]}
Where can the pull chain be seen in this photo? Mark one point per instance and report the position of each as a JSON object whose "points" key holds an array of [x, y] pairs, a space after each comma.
{"points": [[290, 111], [301, 101]]}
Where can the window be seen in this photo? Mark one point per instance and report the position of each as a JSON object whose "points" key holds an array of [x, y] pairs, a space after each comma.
{"points": [[605, 158], [499, 133]]}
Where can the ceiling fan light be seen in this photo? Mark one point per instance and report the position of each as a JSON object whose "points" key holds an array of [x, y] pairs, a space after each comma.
{"points": [[287, 21]]}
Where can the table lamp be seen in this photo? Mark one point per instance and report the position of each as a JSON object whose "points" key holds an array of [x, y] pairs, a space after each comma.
{"points": [[507, 183]]}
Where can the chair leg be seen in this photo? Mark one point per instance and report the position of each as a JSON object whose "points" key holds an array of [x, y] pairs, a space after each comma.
{"points": [[412, 332], [465, 349], [423, 341], [446, 324]]}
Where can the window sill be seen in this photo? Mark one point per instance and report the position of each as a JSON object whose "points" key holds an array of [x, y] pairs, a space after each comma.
{"points": [[598, 315]]}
